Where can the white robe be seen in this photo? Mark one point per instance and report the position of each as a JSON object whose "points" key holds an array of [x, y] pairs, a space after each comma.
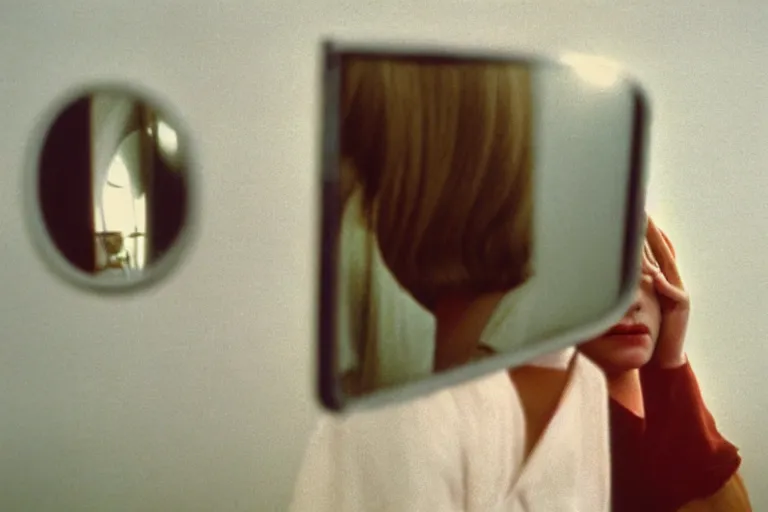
{"points": [[461, 449]]}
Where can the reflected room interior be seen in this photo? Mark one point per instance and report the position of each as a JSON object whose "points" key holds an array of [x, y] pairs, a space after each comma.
{"points": [[112, 184]]}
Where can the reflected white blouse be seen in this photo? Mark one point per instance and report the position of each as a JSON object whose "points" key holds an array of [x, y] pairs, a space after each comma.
{"points": [[402, 329]]}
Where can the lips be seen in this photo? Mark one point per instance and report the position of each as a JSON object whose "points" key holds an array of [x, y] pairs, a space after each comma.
{"points": [[628, 329]]}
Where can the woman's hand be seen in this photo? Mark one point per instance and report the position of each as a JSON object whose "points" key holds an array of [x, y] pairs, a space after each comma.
{"points": [[659, 263]]}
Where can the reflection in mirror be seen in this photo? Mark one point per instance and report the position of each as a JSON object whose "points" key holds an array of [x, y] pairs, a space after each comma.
{"points": [[113, 185], [482, 207]]}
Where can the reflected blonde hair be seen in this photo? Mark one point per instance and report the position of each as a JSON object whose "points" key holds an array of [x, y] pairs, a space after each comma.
{"points": [[443, 152]]}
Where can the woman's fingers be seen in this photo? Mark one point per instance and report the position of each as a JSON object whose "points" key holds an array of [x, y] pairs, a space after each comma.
{"points": [[669, 290], [648, 258], [659, 252], [648, 246], [648, 279], [662, 254], [649, 266]]}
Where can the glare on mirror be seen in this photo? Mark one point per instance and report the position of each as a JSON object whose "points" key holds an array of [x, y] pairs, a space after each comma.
{"points": [[113, 185], [597, 70], [483, 207]]}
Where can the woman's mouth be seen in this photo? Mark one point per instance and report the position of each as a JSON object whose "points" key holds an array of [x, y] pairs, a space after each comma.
{"points": [[635, 334], [629, 329]]}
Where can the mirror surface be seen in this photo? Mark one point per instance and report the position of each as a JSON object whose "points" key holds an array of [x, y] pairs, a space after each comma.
{"points": [[112, 188], [474, 206]]}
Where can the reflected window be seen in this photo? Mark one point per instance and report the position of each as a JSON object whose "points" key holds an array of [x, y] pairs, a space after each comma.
{"points": [[121, 211]]}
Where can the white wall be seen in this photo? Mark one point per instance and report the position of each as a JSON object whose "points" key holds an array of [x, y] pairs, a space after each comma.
{"points": [[208, 407]]}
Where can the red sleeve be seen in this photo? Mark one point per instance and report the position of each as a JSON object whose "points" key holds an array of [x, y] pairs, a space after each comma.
{"points": [[686, 456]]}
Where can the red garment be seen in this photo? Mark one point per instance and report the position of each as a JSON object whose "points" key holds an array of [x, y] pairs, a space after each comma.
{"points": [[675, 454]]}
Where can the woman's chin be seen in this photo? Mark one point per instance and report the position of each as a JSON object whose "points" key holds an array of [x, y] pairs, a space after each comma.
{"points": [[620, 360], [620, 353], [626, 360]]}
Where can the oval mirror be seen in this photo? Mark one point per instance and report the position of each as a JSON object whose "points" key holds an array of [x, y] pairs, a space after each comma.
{"points": [[112, 191]]}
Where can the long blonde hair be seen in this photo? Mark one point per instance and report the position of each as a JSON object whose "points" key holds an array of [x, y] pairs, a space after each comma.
{"points": [[443, 151]]}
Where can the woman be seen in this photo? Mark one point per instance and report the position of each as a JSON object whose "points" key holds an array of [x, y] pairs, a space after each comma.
{"points": [[442, 157], [667, 454]]}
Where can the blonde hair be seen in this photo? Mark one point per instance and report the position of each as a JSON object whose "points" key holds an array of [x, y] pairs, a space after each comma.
{"points": [[443, 152]]}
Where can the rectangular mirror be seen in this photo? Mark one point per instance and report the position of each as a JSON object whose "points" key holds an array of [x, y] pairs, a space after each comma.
{"points": [[478, 211]]}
